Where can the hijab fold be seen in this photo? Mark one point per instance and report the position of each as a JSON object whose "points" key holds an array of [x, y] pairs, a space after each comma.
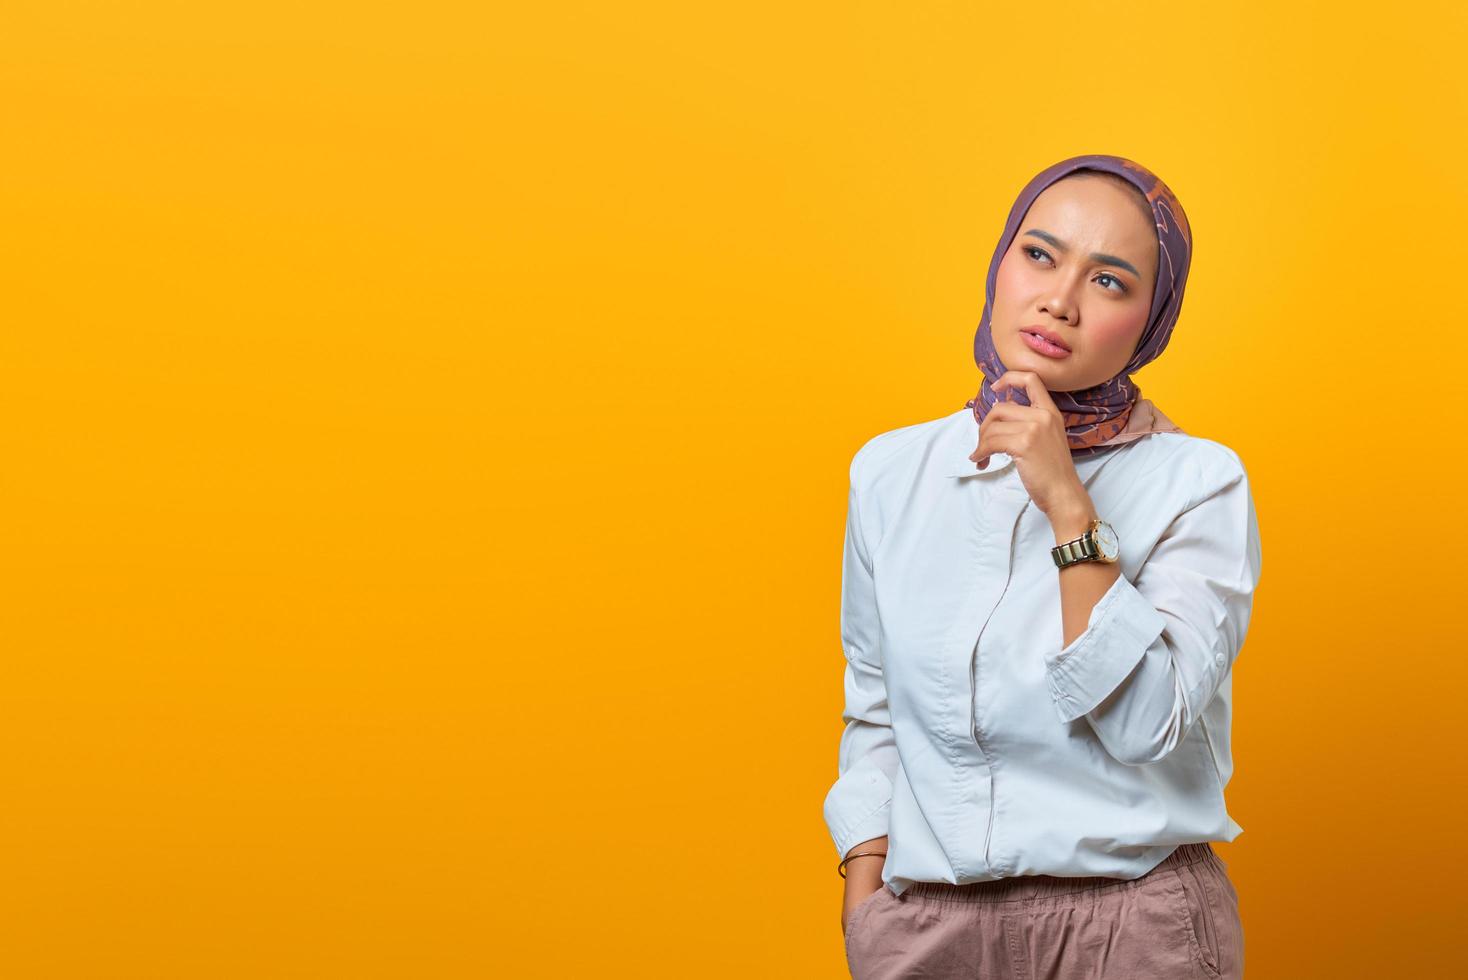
{"points": [[1114, 411]]}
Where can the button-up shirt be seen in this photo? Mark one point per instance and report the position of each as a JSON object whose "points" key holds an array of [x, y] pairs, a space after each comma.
{"points": [[975, 739]]}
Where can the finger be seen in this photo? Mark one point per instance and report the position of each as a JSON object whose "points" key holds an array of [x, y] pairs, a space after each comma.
{"points": [[1002, 410], [997, 436], [1029, 382], [1026, 382], [1013, 412]]}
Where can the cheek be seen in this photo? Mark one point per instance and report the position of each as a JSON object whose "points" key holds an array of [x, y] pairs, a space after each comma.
{"points": [[1010, 282], [1114, 333]]}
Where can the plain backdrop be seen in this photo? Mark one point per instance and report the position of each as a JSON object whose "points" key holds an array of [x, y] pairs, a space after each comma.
{"points": [[425, 444]]}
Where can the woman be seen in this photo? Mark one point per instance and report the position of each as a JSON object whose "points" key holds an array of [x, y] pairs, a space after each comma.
{"points": [[1043, 595]]}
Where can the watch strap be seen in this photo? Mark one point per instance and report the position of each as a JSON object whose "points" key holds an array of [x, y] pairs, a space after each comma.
{"points": [[1078, 549]]}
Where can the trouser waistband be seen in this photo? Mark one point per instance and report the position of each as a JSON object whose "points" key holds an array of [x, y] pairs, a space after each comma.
{"points": [[1041, 886]]}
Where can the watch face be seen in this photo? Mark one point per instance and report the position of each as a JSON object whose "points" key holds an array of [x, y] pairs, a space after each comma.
{"points": [[1107, 542]]}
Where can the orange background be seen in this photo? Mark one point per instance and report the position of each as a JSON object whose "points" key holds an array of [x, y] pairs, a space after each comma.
{"points": [[425, 449]]}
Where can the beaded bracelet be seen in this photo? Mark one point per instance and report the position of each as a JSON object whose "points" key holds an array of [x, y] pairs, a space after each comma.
{"points": [[841, 868]]}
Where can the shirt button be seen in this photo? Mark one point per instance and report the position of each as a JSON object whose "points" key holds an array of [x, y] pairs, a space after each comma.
{"points": [[1218, 660]]}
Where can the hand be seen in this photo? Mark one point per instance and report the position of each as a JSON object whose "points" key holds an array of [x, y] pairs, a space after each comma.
{"points": [[863, 876], [855, 894], [1034, 435]]}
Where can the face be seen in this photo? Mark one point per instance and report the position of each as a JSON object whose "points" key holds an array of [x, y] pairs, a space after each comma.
{"points": [[1081, 268]]}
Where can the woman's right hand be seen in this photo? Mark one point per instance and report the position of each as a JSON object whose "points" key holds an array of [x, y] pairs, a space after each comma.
{"points": [[863, 877]]}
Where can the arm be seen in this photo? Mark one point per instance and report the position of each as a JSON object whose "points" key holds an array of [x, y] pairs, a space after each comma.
{"points": [[863, 876], [1083, 584], [856, 807], [1154, 651]]}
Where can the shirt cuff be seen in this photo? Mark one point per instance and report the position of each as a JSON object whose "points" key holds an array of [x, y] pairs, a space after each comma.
{"points": [[858, 807], [1122, 625]]}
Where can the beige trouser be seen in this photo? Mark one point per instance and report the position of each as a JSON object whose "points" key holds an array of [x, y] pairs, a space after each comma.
{"points": [[1180, 920]]}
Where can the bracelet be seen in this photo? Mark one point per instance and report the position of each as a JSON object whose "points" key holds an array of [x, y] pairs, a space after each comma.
{"points": [[841, 868]]}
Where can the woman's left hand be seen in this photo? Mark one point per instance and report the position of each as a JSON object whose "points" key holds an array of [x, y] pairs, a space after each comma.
{"points": [[1034, 435]]}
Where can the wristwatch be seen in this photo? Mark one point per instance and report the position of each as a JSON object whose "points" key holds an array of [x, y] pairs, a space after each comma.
{"points": [[1099, 543]]}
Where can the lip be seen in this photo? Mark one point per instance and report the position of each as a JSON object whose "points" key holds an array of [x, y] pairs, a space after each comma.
{"points": [[1044, 342]]}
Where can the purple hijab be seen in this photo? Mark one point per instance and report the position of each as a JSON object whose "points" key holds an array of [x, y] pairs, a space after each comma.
{"points": [[1097, 416]]}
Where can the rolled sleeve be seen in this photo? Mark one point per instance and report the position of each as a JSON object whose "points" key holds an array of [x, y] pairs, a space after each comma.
{"points": [[1155, 650], [856, 807], [1122, 626]]}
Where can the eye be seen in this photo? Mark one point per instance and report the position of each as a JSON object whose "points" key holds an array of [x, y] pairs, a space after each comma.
{"points": [[1034, 252]]}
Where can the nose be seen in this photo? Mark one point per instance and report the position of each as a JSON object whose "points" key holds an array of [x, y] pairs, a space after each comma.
{"points": [[1060, 305], [1057, 310]]}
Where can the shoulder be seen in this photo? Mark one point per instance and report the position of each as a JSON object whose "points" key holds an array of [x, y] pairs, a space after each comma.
{"points": [[1199, 467], [900, 451]]}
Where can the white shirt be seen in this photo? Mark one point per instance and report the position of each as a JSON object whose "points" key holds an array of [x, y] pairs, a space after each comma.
{"points": [[974, 741]]}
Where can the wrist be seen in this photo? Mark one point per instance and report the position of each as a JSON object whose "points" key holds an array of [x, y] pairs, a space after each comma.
{"points": [[1071, 521]]}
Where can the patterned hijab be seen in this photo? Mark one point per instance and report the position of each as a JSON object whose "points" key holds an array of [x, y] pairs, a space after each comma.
{"points": [[1114, 411]]}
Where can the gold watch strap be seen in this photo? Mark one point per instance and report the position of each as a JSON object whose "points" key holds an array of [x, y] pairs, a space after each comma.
{"points": [[1080, 549]]}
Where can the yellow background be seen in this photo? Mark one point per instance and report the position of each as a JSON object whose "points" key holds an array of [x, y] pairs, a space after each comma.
{"points": [[426, 435]]}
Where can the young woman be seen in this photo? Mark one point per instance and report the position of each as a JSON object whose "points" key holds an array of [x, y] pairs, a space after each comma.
{"points": [[1043, 595]]}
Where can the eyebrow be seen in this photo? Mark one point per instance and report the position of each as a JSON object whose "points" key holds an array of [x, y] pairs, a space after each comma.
{"points": [[1101, 257]]}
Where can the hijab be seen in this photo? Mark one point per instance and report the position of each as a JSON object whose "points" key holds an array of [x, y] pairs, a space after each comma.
{"points": [[1113, 412]]}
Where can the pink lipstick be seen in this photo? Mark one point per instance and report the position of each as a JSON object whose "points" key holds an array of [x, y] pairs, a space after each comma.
{"points": [[1041, 345]]}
